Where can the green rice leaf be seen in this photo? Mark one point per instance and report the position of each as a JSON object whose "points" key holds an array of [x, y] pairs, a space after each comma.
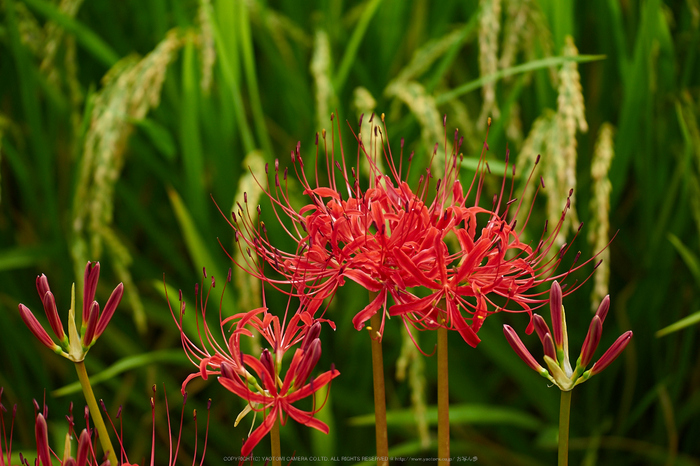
{"points": [[513, 70]]}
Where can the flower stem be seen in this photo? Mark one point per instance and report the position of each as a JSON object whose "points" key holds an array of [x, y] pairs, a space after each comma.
{"points": [[275, 442], [443, 399], [95, 413], [564, 410], [379, 396]]}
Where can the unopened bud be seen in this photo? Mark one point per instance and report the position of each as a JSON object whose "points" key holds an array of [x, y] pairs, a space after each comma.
{"points": [[612, 353], [555, 307]]}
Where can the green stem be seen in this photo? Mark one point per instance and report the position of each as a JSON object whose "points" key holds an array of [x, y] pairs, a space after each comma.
{"points": [[95, 413], [443, 399], [275, 442], [564, 410], [379, 396]]}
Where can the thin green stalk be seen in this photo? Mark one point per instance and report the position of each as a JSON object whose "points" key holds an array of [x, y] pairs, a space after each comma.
{"points": [[248, 57], [351, 50], [564, 410], [513, 70], [443, 399], [95, 413], [379, 396], [228, 59], [276, 451]]}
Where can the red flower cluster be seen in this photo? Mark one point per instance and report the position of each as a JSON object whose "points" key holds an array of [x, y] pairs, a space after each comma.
{"points": [[260, 381], [393, 239]]}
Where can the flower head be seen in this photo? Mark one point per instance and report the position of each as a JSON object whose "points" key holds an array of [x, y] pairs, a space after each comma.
{"points": [[556, 345], [266, 391], [209, 353], [390, 238], [94, 322], [260, 381]]}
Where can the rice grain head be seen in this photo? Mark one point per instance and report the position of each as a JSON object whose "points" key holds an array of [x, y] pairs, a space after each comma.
{"points": [[571, 116], [424, 108], [207, 46], [321, 72], [489, 29], [130, 89], [515, 31], [249, 296], [599, 232]]}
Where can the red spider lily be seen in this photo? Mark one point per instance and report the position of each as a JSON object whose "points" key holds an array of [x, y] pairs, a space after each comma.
{"points": [[389, 238], [258, 381], [556, 345], [210, 354], [274, 397], [85, 454], [94, 323]]}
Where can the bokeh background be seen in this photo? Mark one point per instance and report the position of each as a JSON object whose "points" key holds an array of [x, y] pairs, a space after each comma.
{"points": [[121, 121]]}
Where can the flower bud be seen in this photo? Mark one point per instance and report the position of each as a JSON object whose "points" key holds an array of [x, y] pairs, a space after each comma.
{"points": [[548, 345], [49, 302], [612, 353], [36, 328], [311, 334], [592, 339], [311, 357], [266, 359], [227, 371], [541, 327], [555, 306], [81, 456], [42, 440], [42, 285], [603, 308], [89, 335], [517, 344], [92, 275], [114, 299]]}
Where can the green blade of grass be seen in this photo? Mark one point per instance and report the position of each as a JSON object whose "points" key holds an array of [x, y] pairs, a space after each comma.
{"points": [[459, 414], [228, 60], [22, 257], [22, 174], [513, 70], [43, 159], [690, 259], [123, 365], [636, 97], [199, 253], [351, 50], [159, 136], [246, 44], [686, 322], [190, 140], [497, 167], [452, 53]]}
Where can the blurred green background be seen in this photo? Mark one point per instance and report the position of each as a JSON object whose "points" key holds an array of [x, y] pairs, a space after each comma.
{"points": [[120, 121]]}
